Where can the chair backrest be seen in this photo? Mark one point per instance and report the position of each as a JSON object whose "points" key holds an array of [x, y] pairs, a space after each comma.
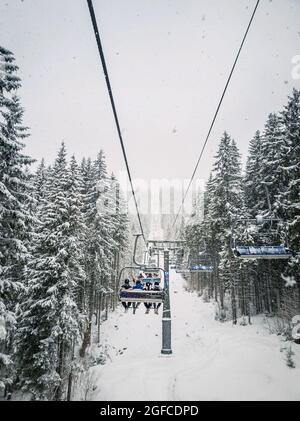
{"points": [[141, 296], [262, 252], [201, 268]]}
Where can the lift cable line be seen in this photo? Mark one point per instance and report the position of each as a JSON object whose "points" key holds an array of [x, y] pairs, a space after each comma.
{"points": [[216, 113], [102, 57]]}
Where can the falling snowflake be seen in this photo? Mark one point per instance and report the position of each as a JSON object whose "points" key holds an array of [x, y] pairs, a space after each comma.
{"points": [[289, 280]]}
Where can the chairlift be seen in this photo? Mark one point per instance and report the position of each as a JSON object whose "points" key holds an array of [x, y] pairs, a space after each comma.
{"points": [[262, 251], [141, 295], [202, 263], [182, 270], [149, 280], [202, 268]]}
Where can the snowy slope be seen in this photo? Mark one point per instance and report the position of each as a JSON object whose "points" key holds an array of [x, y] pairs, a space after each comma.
{"points": [[211, 361]]}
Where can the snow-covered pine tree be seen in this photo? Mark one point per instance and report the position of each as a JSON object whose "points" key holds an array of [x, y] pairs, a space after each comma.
{"points": [[106, 224], [272, 180], [98, 238], [76, 265], [194, 236], [225, 208], [120, 230], [271, 172], [49, 326], [15, 218], [39, 182], [77, 233], [253, 189], [256, 203], [210, 237], [202, 237], [271, 188], [100, 166], [223, 205], [288, 202], [87, 184], [208, 194]]}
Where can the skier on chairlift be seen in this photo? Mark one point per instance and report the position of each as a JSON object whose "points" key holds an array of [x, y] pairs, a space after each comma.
{"points": [[126, 285], [156, 288], [148, 305], [138, 284]]}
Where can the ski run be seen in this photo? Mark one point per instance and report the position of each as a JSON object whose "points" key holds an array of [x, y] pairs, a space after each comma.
{"points": [[211, 360]]}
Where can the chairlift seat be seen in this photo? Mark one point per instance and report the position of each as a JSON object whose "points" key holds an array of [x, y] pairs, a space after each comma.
{"points": [[262, 252], [201, 268], [141, 296], [149, 280]]}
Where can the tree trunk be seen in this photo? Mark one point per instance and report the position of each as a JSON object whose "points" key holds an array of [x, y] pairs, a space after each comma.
{"points": [[60, 371], [70, 379], [99, 317], [233, 304], [86, 340], [106, 306]]}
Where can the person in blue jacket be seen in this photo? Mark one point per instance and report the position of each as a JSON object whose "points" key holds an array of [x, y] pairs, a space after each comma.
{"points": [[138, 285]]}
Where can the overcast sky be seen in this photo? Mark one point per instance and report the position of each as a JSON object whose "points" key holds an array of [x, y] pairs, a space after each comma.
{"points": [[168, 63]]}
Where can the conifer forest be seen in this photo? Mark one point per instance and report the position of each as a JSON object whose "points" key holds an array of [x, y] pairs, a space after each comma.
{"points": [[91, 280]]}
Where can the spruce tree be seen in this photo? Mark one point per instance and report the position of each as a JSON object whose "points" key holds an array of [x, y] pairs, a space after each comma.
{"points": [[253, 188], [39, 182], [100, 166], [288, 202], [272, 152], [98, 241], [225, 208], [15, 218], [77, 232], [49, 326]]}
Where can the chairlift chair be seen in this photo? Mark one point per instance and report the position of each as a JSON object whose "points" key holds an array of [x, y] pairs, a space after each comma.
{"points": [[182, 271], [151, 280], [262, 251], [202, 263], [141, 296], [202, 268]]}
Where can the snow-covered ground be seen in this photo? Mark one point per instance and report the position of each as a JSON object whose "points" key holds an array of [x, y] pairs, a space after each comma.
{"points": [[210, 361]]}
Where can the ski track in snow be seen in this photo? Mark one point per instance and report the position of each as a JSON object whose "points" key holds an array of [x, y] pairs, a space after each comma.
{"points": [[210, 361]]}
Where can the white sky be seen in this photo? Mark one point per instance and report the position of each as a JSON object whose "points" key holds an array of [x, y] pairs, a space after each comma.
{"points": [[168, 63]]}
